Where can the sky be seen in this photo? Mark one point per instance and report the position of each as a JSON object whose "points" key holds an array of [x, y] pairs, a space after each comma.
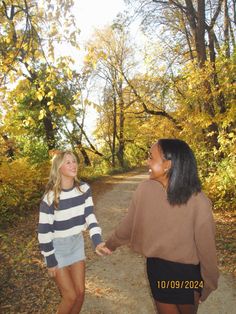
{"points": [[95, 13]]}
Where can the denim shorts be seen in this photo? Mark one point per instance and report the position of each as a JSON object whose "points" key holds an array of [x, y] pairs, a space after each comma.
{"points": [[69, 250]]}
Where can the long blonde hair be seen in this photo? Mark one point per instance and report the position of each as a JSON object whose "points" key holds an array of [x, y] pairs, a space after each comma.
{"points": [[54, 182]]}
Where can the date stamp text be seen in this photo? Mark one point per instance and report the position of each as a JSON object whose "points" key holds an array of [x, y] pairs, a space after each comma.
{"points": [[179, 284]]}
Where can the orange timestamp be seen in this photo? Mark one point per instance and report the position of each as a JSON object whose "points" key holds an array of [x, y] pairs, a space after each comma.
{"points": [[180, 284]]}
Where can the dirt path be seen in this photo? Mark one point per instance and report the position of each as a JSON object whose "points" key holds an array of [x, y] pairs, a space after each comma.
{"points": [[117, 284]]}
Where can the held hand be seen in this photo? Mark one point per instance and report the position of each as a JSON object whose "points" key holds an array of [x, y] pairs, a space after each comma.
{"points": [[52, 271], [101, 249]]}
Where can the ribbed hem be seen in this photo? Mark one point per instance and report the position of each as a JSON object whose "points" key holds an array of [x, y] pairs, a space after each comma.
{"points": [[51, 261], [97, 239]]}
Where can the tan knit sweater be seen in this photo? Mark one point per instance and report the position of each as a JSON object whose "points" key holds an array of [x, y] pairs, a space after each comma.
{"points": [[184, 234]]}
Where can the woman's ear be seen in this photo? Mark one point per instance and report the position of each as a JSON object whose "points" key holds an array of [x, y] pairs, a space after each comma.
{"points": [[167, 165]]}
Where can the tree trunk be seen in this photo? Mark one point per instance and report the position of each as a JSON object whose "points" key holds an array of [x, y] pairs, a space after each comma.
{"points": [[92, 148], [234, 10], [9, 144], [113, 148], [220, 100], [200, 33], [49, 131], [187, 38], [199, 28], [87, 161], [232, 35], [212, 53], [120, 153], [226, 29]]}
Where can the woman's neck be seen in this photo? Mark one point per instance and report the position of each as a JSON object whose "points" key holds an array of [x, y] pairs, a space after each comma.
{"points": [[67, 183], [164, 182]]}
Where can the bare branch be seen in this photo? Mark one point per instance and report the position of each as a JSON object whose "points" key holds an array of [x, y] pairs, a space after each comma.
{"points": [[217, 12], [87, 139], [153, 112]]}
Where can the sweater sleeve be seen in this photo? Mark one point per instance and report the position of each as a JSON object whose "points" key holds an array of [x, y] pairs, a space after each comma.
{"points": [[94, 229], [122, 233], [206, 248], [45, 234]]}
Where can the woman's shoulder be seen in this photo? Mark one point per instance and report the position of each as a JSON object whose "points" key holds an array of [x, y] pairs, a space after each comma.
{"points": [[202, 204], [48, 198], [149, 185], [46, 205], [84, 186], [150, 182], [202, 198]]}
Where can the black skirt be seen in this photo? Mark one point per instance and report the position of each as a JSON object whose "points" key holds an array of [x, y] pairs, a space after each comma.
{"points": [[173, 283]]}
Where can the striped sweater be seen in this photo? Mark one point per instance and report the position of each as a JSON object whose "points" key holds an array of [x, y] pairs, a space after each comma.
{"points": [[74, 214]]}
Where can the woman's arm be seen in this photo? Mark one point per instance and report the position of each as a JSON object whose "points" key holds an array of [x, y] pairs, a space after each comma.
{"points": [[122, 233], [91, 220], [206, 248], [45, 234]]}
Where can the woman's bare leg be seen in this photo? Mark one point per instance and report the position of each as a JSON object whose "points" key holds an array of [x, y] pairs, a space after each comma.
{"points": [[66, 286], [77, 271], [164, 308], [190, 308]]}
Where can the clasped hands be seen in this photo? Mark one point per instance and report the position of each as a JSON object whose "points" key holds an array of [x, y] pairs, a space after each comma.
{"points": [[102, 250]]}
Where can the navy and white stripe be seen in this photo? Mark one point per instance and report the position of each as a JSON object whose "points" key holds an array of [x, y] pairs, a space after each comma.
{"points": [[74, 214]]}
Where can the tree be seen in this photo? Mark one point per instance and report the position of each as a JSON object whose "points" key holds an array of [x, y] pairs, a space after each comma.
{"points": [[29, 32], [44, 110], [199, 24], [110, 55]]}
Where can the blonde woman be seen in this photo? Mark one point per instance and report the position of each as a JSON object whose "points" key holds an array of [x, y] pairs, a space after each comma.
{"points": [[65, 211]]}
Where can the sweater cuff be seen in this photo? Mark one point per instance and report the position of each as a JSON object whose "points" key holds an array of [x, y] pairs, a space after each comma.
{"points": [[51, 261], [97, 239]]}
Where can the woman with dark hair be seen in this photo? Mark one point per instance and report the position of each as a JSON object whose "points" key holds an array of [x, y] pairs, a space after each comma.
{"points": [[170, 222]]}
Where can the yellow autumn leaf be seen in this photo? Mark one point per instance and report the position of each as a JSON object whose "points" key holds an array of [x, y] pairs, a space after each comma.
{"points": [[51, 105], [51, 94], [60, 109], [29, 122], [39, 95], [69, 73], [54, 125], [8, 40], [42, 114]]}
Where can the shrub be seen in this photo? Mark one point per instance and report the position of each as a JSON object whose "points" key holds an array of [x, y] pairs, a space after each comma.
{"points": [[21, 188]]}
